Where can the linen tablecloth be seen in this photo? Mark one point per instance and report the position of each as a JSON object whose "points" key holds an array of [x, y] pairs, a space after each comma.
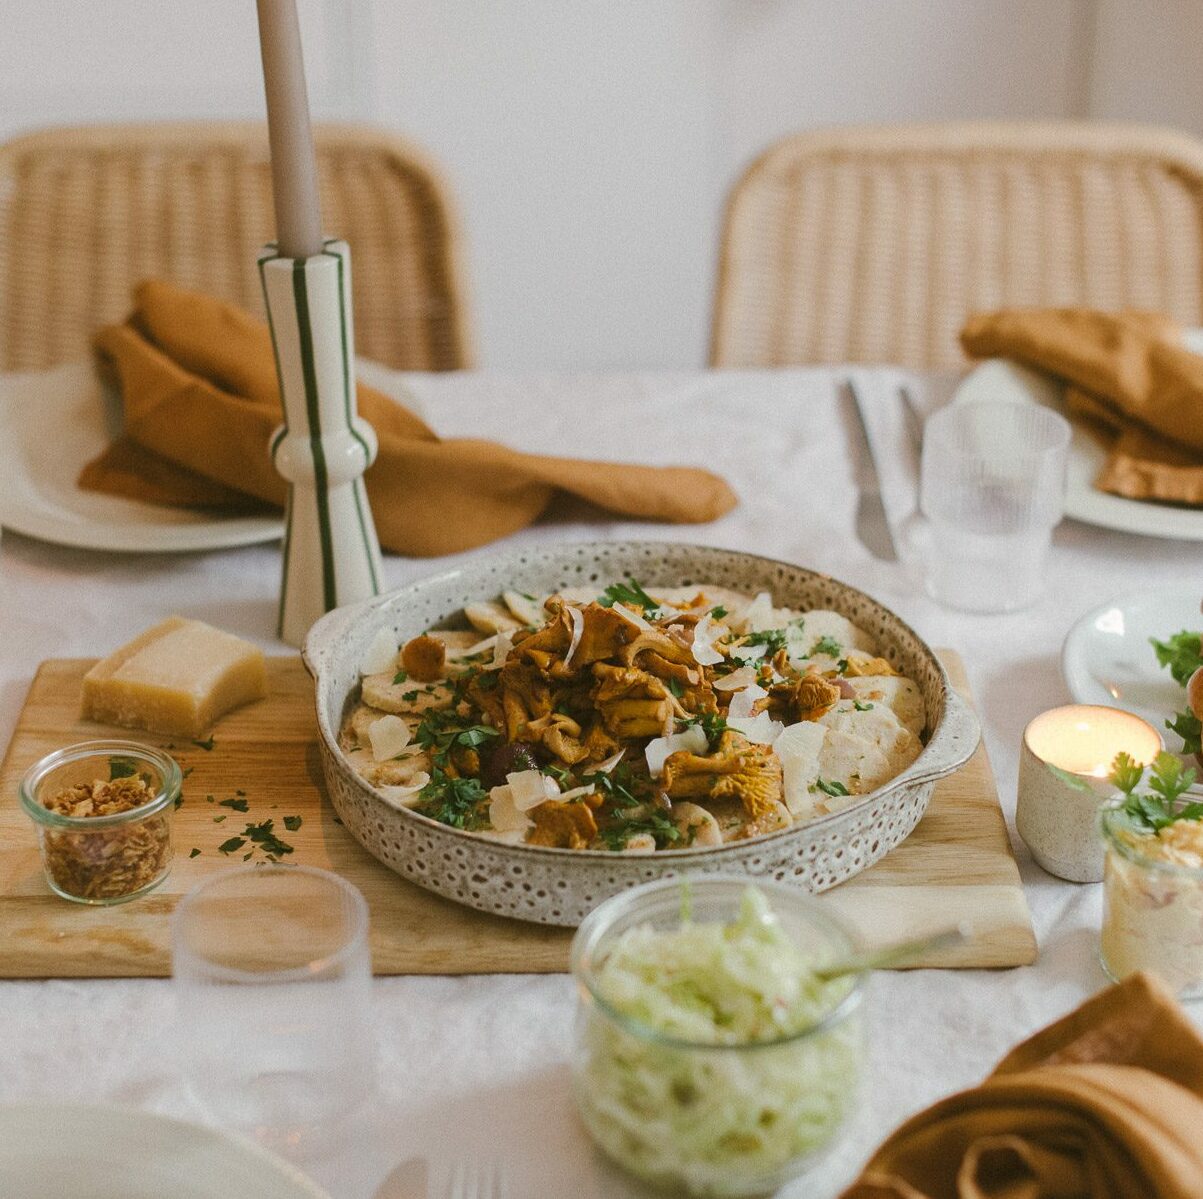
{"points": [[476, 1067]]}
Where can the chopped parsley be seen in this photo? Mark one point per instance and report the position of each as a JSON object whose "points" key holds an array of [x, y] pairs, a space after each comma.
{"points": [[1182, 654], [122, 768], [831, 786], [239, 805], [219, 819], [718, 612], [632, 594], [400, 677], [453, 801], [773, 638], [195, 853], [674, 685], [187, 771], [714, 725], [615, 785], [1168, 781], [292, 823], [827, 645], [409, 696], [862, 705], [441, 732], [206, 745], [263, 836], [232, 845], [615, 836]]}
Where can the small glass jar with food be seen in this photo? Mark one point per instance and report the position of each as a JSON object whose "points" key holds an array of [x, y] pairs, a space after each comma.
{"points": [[103, 814], [711, 1055], [1153, 876]]}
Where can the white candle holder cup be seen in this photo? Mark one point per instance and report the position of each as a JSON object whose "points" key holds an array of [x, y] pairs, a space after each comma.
{"points": [[1064, 765], [331, 552]]}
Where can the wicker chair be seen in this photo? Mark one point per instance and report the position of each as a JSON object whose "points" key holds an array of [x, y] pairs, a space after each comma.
{"points": [[875, 244], [86, 213]]}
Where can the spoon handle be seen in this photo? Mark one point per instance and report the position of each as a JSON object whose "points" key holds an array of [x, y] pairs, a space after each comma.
{"points": [[894, 955]]}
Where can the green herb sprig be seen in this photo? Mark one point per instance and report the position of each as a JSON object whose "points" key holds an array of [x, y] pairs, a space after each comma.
{"points": [[632, 595], [1182, 654], [1160, 805]]}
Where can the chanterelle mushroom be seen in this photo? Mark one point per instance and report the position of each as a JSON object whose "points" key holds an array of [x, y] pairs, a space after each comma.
{"points": [[632, 702], [563, 825], [737, 768]]}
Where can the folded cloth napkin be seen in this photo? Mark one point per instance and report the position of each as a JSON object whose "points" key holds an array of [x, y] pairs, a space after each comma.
{"points": [[1107, 1103], [1131, 380], [200, 398]]}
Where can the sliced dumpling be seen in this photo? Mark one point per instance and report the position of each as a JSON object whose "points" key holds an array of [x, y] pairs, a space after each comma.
{"points": [[878, 723], [387, 693], [488, 616], [901, 695], [798, 749], [527, 609], [396, 772], [853, 762], [823, 626]]}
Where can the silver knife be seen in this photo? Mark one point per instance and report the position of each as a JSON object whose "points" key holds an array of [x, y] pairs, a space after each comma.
{"points": [[872, 527]]}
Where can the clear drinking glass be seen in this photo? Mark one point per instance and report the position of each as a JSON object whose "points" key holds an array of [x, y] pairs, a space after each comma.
{"points": [[273, 985], [992, 489]]}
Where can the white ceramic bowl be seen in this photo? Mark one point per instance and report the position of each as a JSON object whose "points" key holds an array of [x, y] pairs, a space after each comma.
{"points": [[561, 886]]}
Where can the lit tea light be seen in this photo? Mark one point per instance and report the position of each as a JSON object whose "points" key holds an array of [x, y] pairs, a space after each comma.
{"points": [[1064, 766]]}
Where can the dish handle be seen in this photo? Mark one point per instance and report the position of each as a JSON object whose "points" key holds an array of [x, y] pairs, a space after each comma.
{"points": [[327, 631], [955, 740]]}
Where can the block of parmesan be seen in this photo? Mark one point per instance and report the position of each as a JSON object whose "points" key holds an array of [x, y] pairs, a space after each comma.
{"points": [[176, 678]]}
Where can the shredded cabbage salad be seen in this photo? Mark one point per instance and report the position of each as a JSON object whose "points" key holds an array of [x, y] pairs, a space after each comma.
{"points": [[718, 1122]]}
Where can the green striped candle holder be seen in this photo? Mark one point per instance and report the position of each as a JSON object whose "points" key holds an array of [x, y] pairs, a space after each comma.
{"points": [[331, 554]]}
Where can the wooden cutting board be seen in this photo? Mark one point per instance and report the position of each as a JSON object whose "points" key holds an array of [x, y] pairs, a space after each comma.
{"points": [[958, 862]]}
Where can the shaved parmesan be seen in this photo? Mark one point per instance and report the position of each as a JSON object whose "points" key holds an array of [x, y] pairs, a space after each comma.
{"points": [[381, 654], [760, 730], [742, 702], [759, 613], [504, 815], [388, 737], [578, 627], [530, 788], [705, 633], [501, 651], [798, 748], [406, 796], [693, 739], [750, 653], [745, 676], [526, 609], [472, 650], [611, 762], [633, 616], [577, 792]]}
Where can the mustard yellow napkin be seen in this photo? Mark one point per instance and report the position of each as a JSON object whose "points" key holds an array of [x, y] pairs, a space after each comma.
{"points": [[1130, 379], [1106, 1103], [200, 399]]}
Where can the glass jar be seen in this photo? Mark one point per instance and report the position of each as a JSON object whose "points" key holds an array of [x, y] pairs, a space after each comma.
{"points": [[103, 859], [714, 1119], [1152, 910]]}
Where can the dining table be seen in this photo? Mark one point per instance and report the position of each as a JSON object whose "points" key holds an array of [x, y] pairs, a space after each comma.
{"points": [[476, 1068]]}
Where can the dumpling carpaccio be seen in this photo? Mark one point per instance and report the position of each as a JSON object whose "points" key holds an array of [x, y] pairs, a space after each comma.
{"points": [[901, 695], [854, 762], [822, 623], [877, 723]]}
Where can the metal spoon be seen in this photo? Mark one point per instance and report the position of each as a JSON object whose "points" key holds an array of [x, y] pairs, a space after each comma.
{"points": [[894, 955]]}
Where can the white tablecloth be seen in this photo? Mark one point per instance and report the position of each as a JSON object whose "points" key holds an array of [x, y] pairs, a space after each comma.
{"points": [[477, 1066]]}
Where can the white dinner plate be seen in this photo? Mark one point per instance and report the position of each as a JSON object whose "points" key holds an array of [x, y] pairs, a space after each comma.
{"points": [[89, 1151], [51, 424], [1107, 658], [1000, 379]]}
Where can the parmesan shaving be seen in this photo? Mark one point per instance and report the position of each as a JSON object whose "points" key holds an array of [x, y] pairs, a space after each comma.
{"points": [[742, 702], [479, 648], [705, 633], [578, 627], [759, 613], [501, 651], [504, 815], [611, 762], [693, 739], [631, 615], [761, 729], [405, 796], [388, 737], [577, 792], [530, 788], [381, 654], [745, 676]]}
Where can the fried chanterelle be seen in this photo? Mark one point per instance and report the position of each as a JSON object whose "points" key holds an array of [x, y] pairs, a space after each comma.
{"points": [[632, 720]]}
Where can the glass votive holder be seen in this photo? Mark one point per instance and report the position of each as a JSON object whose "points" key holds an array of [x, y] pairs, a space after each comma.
{"points": [[273, 987], [1153, 901], [103, 813], [1064, 766]]}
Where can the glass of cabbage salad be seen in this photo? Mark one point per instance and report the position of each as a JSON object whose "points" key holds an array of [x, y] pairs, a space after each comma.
{"points": [[708, 1055]]}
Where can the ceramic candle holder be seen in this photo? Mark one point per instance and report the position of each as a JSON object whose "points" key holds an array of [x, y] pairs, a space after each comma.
{"points": [[1063, 767], [331, 554]]}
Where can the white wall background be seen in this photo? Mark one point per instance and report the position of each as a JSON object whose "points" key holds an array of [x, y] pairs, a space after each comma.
{"points": [[590, 143]]}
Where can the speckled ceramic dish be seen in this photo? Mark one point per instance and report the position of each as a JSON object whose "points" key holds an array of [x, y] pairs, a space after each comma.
{"points": [[560, 886]]}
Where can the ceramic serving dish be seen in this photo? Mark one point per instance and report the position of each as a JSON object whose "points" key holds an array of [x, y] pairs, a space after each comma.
{"points": [[560, 886]]}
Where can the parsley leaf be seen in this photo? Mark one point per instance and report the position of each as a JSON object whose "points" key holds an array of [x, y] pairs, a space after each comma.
{"points": [[233, 844], [400, 677], [773, 638], [206, 745], [453, 801], [674, 685], [661, 828], [292, 823], [122, 768], [827, 645], [831, 787], [862, 706], [195, 853], [616, 785], [630, 593], [264, 836], [1182, 654], [1188, 726], [719, 612], [239, 805], [1168, 782], [714, 725], [442, 731]]}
